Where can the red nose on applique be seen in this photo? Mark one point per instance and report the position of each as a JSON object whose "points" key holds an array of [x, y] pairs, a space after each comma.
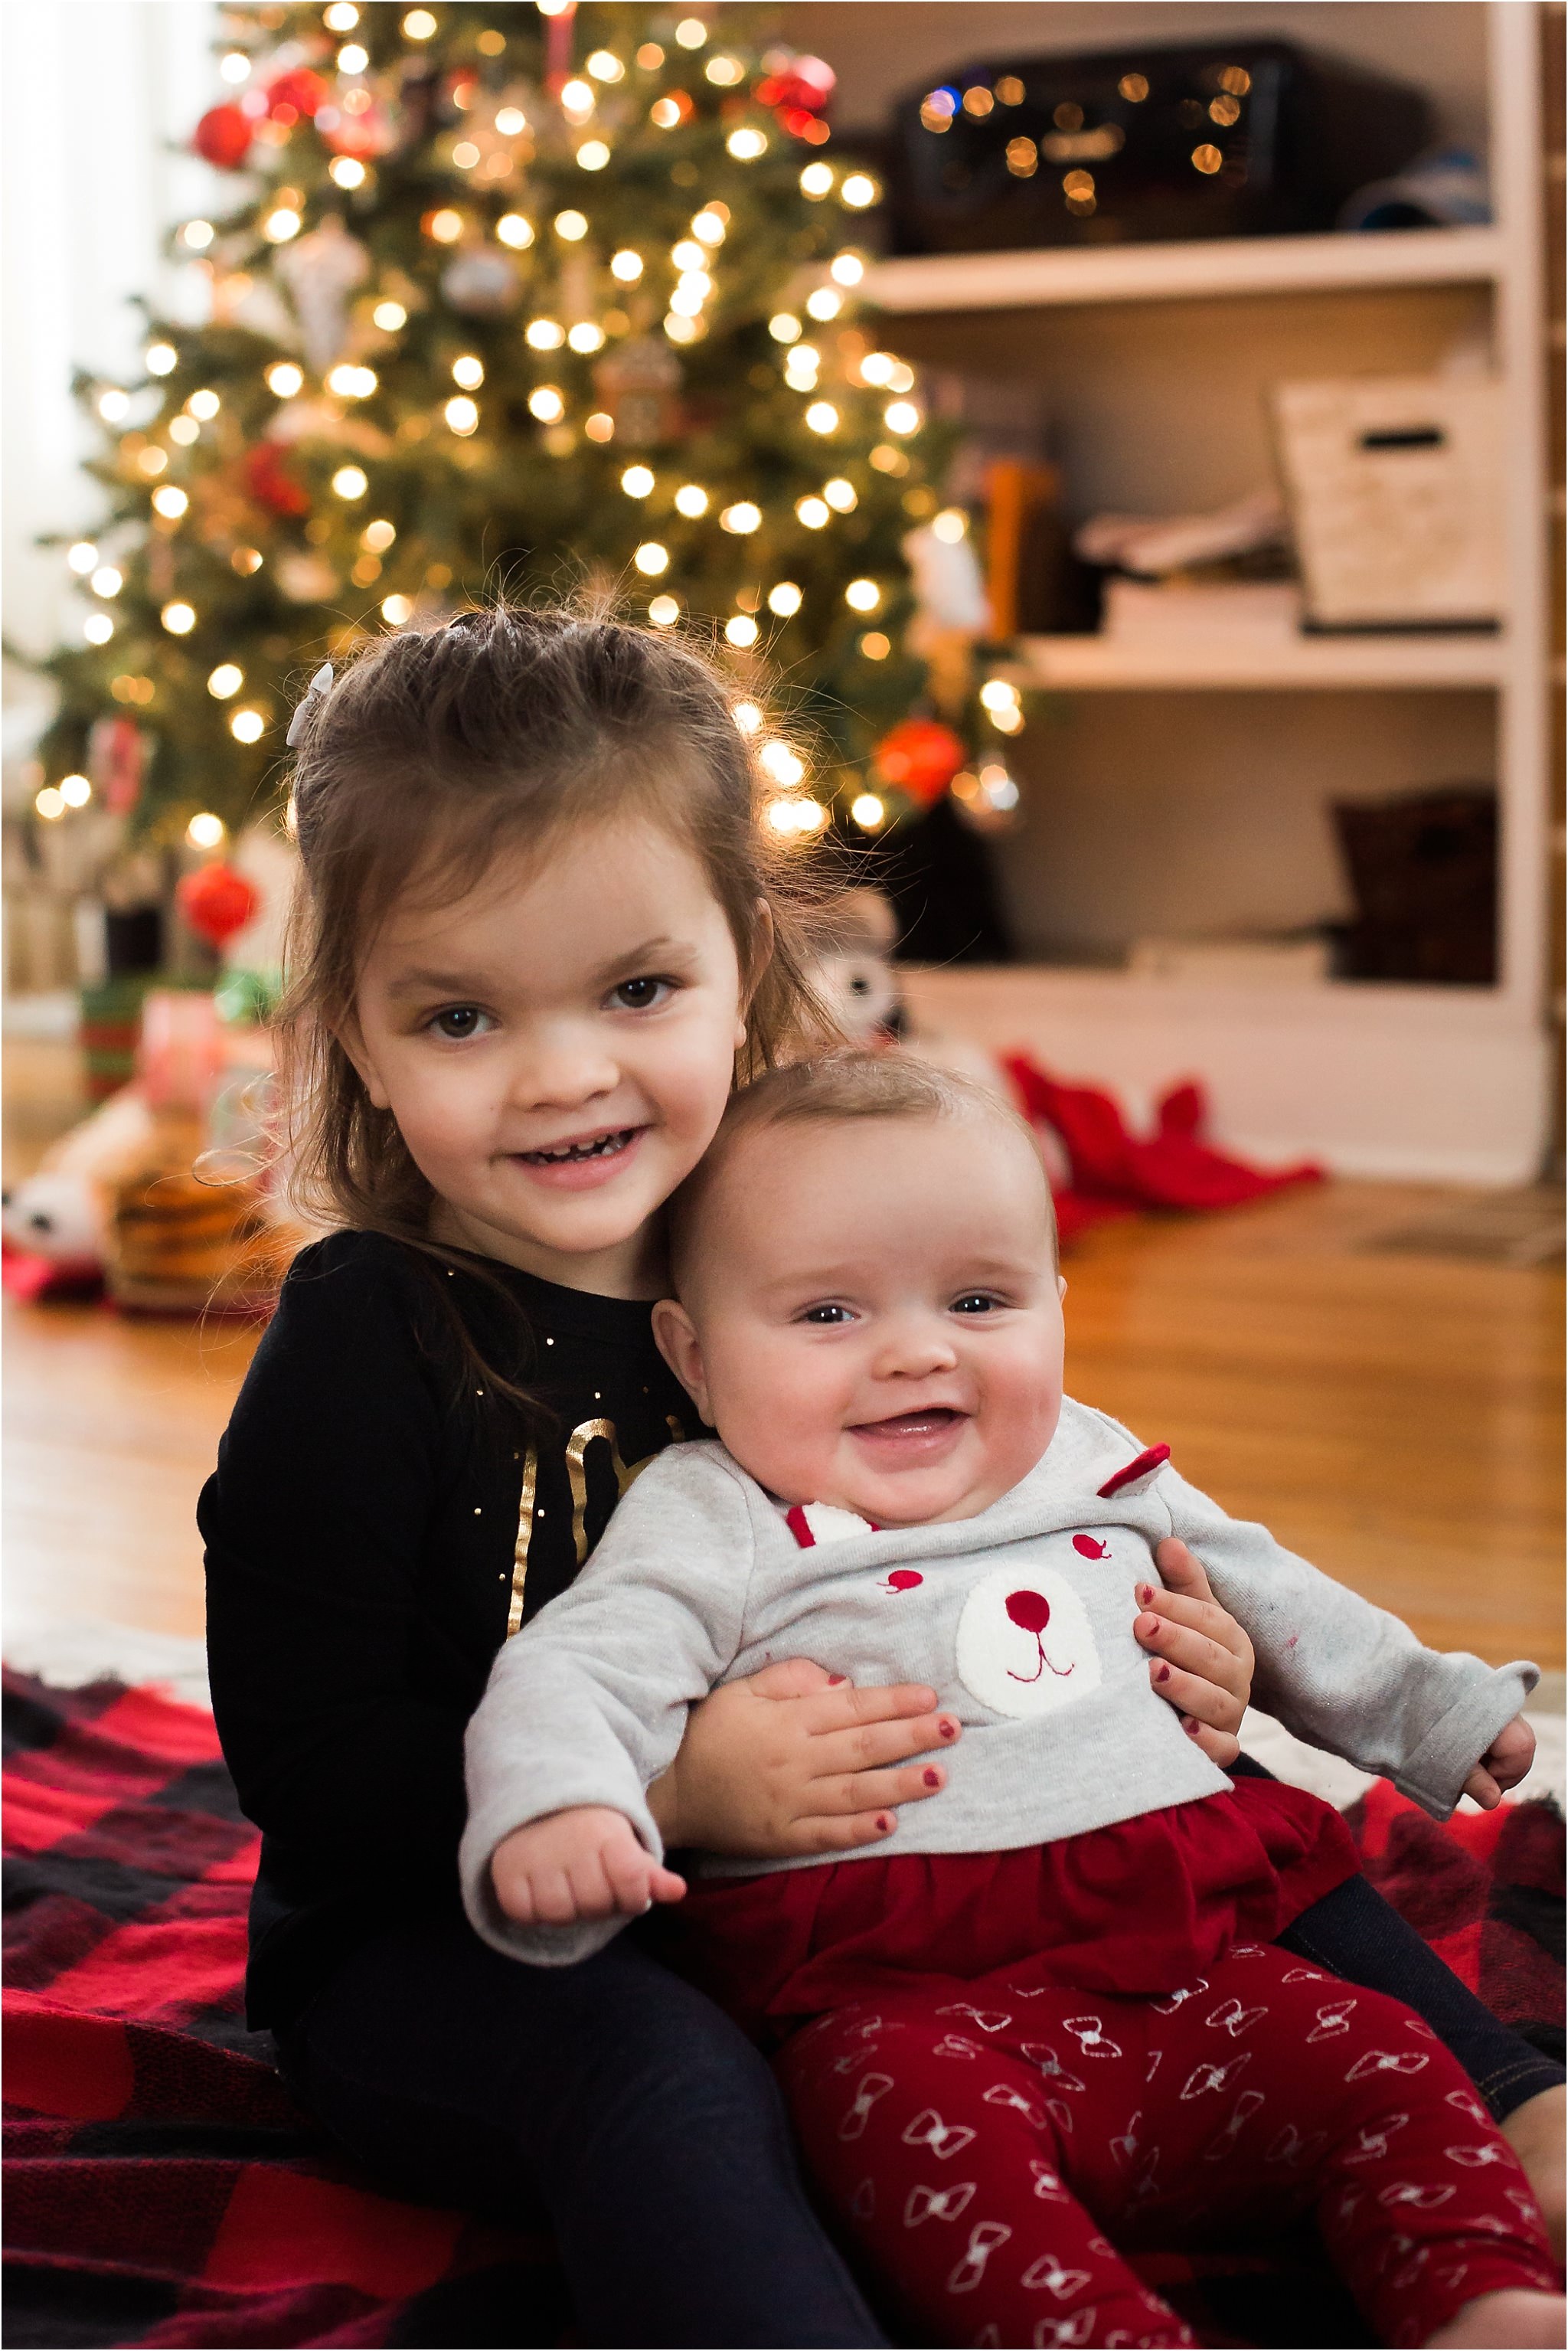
{"points": [[1030, 1611], [903, 1579], [1087, 1548]]}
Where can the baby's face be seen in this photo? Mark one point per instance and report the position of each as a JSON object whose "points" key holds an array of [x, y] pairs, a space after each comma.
{"points": [[874, 1318]]}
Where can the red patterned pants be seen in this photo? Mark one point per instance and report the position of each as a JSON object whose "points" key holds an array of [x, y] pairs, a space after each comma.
{"points": [[983, 2145]]}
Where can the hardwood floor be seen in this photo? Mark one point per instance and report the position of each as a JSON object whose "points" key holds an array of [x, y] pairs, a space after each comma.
{"points": [[1395, 1417]]}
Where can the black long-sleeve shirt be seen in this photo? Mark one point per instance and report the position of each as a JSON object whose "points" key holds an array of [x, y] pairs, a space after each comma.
{"points": [[374, 1529]]}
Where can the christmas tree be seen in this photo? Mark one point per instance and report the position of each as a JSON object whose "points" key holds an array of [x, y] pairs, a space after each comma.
{"points": [[516, 294]]}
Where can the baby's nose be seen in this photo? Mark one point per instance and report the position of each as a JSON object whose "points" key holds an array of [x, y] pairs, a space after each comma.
{"points": [[916, 1350]]}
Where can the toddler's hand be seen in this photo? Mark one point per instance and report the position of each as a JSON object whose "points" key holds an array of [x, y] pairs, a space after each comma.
{"points": [[795, 1759], [585, 1863], [1505, 1763]]}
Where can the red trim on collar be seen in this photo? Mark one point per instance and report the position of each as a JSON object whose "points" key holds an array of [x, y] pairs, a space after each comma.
{"points": [[795, 1520], [1145, 1466]]}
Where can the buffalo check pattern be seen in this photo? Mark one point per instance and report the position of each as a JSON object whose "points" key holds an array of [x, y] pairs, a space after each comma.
{"points": [[164, 2188]]}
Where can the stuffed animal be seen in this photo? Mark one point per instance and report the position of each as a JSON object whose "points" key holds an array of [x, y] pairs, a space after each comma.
{"points": [[62, 1212], [854, 969], [859, 981]]}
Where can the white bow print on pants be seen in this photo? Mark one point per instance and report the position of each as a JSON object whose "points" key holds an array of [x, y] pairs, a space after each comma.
{"points": [[1052, 2332], [944, 2139], [984, 2239], [874, 2086], [1047, 2275], [938, 2203]]}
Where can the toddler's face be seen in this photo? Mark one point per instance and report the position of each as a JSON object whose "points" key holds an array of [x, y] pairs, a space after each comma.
{"points": [[557, 1047], [874, 1319]]}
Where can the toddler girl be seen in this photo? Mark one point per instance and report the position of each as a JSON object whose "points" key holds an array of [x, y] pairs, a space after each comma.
{"points": [[542, 937], [1047, 2005]]}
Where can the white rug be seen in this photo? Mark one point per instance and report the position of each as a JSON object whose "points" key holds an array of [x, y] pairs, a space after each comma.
{"points": [[66, 1651]]}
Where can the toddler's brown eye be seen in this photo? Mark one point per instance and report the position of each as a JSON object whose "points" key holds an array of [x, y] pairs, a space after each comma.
{"points": [[639, 995], [461, 1020]]}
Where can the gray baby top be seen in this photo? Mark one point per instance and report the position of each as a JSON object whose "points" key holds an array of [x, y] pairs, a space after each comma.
{"points": [[1020, 1618]]}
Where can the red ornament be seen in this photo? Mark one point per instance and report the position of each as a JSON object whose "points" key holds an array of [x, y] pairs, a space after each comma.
{"points": [[920, 757], [223, 137], [271, 484], [805, 84], [216, 902], [364, 135], [294, 94]]}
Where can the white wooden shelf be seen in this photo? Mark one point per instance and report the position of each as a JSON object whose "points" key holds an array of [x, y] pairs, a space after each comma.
{"points": [[1446, 1084], [1441, 1085], [1054, 276], [1201, 664]]}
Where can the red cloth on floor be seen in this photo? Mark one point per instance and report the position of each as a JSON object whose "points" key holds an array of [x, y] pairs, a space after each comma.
{"points": [[975, 2158], [1142, 1906], [26, 1275], [1114, 1172]]}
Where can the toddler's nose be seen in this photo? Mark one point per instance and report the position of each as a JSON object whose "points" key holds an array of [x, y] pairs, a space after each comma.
{"points": [[560, 1072]]}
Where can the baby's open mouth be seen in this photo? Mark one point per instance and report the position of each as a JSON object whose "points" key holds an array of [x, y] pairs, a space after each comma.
{"points": [[931, 1420], [565, 1154]]}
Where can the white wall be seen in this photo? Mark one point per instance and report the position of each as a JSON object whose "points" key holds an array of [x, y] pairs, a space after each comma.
{"points": [[93, 93]]}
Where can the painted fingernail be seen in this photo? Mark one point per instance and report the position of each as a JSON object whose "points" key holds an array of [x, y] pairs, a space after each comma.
{"points": [[1145, 1594], [1189, 1726], [932, 1779], [834, 1681], [947, 1730], [884, 1824], [1164, 1674]]}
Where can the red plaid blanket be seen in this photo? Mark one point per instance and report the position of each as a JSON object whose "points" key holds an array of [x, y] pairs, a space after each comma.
{"points": [[164, 2188]]}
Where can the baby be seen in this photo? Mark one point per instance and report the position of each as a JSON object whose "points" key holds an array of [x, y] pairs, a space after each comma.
{"points": [[1064, 1958]]}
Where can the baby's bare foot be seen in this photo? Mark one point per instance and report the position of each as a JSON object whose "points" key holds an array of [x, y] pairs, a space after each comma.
{"points": [[1515, 2320], [1536, 2133]]}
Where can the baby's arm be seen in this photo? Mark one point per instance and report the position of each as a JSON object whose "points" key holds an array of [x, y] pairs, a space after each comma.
{"points": [[1350, 1677], [588, 1704]]}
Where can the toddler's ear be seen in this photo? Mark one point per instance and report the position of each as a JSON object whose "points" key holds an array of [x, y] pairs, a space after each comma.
{"points": [[680, 1347], [352, 1038]]}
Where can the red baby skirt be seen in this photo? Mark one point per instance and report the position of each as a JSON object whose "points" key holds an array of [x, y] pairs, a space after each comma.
{"points": [[1142, 1907]]}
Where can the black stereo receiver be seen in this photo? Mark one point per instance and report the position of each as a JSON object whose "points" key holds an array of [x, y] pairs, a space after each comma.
{"points": [[1238, 138]]}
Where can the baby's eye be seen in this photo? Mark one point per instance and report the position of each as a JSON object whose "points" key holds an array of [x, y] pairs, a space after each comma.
{"points": [[640, 995], [460, 1021], [827, 1315], [975, 1301]]}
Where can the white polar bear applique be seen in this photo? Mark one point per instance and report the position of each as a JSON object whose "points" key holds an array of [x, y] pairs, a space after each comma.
{"points": [[1025, 1646]]}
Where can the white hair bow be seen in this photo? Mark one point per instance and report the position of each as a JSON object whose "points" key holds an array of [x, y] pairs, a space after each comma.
{"points": [[319, 687]]}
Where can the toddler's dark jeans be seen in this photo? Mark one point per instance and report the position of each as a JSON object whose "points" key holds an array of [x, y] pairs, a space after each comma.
{"points": [[609, 2102]]}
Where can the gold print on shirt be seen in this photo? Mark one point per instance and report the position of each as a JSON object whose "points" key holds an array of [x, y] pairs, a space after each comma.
{"points": [[520, 1547], [576, 1447]]}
